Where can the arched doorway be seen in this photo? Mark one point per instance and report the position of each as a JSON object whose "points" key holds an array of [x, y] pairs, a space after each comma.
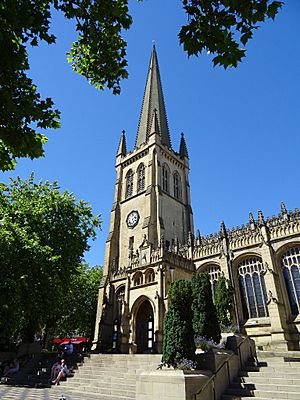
{"points": [[144, 328]]}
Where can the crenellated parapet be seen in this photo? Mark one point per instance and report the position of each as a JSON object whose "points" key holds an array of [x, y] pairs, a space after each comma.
{"points": [[207, 246], [284, 225], [244, 236], [255, 233]]}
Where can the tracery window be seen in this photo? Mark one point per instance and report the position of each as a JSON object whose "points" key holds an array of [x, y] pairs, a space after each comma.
{"points": [[290, 264], [129, 184], [165, 178], [214, 271], [138, 279], [141, 178], [177, 185], [252, 287]]}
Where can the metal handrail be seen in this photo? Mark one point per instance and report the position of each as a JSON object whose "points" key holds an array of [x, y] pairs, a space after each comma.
{"points": [[212, 378]]}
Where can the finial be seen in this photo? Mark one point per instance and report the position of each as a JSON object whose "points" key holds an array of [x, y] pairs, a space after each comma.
{"points": [[283, 208], [153, 43], [190, 238], [261, 217], [223, 229], [252, 221], [198, 238]]}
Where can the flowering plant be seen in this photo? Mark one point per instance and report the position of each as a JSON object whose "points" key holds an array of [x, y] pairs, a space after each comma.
{"points": [[208, 344], [184, 363]]}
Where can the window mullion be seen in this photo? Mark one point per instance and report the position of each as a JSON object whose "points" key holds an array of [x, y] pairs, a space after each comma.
{"points": [[246, 294], [262, 294], [293, 283], [254, 294]]}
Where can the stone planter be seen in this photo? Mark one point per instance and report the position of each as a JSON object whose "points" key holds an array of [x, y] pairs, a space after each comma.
{"points": [[170, 384], [211, 360]]}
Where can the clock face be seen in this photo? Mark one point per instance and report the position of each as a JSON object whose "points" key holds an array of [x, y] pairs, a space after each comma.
{"points": [[132, 219]]}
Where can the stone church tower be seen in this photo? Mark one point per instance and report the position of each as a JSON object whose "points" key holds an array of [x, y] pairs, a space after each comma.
{"points": [[151, 243], [151, 225]]}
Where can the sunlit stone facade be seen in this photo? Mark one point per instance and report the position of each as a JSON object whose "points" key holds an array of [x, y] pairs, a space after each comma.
{"points": [[151, 242]]}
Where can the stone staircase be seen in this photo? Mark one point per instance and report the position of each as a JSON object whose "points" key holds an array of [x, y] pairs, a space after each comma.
{"points": [[110, 376], [276, 376]]}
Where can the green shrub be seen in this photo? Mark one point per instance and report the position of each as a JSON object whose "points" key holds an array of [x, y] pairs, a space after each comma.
{"points": [[224, 302], [178, 328], [205, 321]]}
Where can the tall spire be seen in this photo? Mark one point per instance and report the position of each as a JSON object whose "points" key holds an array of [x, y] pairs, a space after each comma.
{"points": [[153, 100]]}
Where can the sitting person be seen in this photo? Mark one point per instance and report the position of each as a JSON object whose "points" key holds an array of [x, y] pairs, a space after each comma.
{"points": [[55, 369], [63, 373], [12, 368], [68, 349]]}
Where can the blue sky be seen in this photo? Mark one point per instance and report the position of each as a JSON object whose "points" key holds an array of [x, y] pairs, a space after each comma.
{"points": [[241, 125]]}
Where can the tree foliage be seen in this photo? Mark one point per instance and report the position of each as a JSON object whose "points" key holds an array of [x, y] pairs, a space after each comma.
{"points": [[98, 54], [224, 301], [43, 235], [78, 312], [178, 328], [205, 322], [222, 27]]}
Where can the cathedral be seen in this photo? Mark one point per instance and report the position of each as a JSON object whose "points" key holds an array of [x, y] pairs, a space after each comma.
{"points": [[151, 243]]}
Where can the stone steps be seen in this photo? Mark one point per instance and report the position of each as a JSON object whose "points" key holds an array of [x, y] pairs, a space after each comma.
{"points": [[110, 376], [278, 381], [273, 378]]}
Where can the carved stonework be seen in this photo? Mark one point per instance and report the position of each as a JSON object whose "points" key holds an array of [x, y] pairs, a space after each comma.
{"points": [[254, 233]]}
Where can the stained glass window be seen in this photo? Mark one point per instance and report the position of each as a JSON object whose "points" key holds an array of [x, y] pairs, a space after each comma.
{"points": [[252, 288], [290, 264]]}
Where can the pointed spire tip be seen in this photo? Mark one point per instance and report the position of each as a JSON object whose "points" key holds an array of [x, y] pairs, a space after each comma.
{"points": [[153, 99]]}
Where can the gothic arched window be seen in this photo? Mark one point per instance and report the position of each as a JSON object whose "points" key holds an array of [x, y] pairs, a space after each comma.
{"points": [[214, 271], [141, 178], [120, 295], [138, 279], [150, 276], [165, 178], [177, 185], [252, 287], [129, 184], [290, 264]]}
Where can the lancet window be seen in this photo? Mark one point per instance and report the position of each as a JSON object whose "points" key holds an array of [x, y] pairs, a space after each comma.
{"points": [[138, 279], [290, 264], [129, 184], [120, 295], [165, 178], [177, 185], [141, 178], [252, 288], [150, 276]]}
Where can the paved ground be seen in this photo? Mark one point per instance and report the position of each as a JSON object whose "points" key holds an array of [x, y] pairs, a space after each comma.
{"points": [[22, 393]]}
